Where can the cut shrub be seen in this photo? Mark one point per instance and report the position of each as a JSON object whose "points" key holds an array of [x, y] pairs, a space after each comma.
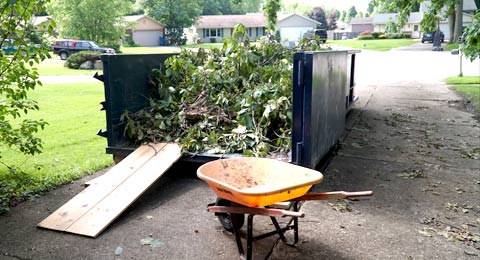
{"points": [[76, 59], [366, 33], [365, 37], [375, 35]]}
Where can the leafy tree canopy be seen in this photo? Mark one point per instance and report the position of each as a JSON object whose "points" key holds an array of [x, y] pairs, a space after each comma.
{"points": [[318, 14], [352, 12], [175, 14], [471, 46], [17, 77], [219, 7], [97, 20]]}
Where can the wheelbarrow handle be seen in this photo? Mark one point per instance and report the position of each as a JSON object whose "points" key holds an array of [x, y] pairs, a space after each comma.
{"points": [[333, 195], [255, 211]]}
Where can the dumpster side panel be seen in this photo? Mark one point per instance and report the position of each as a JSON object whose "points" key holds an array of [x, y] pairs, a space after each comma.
{"points": [[324, 95], [126, 88]]}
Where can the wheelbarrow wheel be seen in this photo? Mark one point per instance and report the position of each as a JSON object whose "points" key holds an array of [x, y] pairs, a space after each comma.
{"points": [[229, 220]]}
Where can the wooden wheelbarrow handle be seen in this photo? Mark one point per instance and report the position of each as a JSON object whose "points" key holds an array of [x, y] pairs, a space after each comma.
{"points": [[255, 211], [333, 195]]}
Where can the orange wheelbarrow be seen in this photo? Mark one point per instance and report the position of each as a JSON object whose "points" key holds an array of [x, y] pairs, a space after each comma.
{"points": [[266, 187]]}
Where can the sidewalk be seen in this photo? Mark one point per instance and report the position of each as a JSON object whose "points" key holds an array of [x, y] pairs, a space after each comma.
{"points": [[408, 140]]}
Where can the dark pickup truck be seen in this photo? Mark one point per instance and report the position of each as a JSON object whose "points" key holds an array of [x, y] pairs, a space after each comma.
{"points": [[65, 48]]}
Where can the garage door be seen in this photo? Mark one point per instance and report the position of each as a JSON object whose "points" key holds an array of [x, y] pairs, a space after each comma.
{"points": [[147, 38], [293, 33]]}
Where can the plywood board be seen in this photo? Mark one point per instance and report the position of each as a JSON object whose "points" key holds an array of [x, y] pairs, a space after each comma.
{"points": [[92, 210], [131, 163]]}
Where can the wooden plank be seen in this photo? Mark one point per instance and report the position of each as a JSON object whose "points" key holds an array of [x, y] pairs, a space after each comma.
{"points": [[107, 210], [133, 161], [79, 205]]}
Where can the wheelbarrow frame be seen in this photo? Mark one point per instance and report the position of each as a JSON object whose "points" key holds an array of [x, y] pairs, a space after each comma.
{"points": [[292, 211]]}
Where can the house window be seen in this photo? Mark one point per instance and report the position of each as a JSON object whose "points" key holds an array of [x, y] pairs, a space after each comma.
{"points": [[256, 33], [415, 28], [212, 33]]}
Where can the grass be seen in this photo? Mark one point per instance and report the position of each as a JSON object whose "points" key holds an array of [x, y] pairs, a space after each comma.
{"points": [[145, 50], [218, 45], [55, 67], [374, 45], [451, 46], [71, 147], [469, 87]]}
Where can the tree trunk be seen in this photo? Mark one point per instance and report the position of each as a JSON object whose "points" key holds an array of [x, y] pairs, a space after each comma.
{"points": [[458, 19], [451, 27]]}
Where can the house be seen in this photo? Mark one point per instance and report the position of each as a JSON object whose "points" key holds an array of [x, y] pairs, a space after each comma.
{"points": [[412, 26], [469, 7], [292, 27], [144, 30], [213, 28], [361, 24]]}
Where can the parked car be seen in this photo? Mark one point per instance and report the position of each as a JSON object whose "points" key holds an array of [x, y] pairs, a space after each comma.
{"points": [[430, 36], [318, 32], [9, 48], [67, 47]]}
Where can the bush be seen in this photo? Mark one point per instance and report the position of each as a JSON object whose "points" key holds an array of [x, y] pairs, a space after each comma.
{"points": [[382, 37], [366, 32], [365, 37], [375, 35], [76, 59], [393, 36], [213, 40], [129, 42], [113, 45]]}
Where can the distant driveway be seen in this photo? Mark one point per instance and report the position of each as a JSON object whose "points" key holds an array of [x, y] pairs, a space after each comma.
{"points": [[419, 47], [401, 65]]}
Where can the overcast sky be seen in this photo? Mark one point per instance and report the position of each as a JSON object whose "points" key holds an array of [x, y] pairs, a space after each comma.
{"points": [[360, 5]]}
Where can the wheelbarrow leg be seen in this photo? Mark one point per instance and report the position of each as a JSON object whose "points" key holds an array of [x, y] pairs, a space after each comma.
{"points": [[296, 208], [249, 236], [236, 232]]}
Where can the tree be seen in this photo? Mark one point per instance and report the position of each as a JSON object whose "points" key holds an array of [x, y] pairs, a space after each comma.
{"points": [[343, 16], [332, 20], [352, 12], [454, 9], [175, 14], [18, 77], [271, 9], [219, 7], [90, 20], [371, 7], [318, 14], [471, 45]]}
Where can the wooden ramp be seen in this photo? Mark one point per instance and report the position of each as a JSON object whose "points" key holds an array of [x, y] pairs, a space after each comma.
{"points": [[107, 196]]}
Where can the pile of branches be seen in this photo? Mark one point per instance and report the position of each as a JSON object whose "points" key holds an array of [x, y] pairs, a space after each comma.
{"points": [[237, 99]]}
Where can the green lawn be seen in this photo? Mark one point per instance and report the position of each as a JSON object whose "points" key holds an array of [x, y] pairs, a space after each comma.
{"points": [[218, 45], [71, 150], [374, 45], [451, 46], [469, 87], [55, 67], [145, 50]]}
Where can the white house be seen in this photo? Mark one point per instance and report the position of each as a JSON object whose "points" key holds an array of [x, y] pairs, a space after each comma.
{"points": [[144, 30], [412, 26], [292, 27], [213, 28]]}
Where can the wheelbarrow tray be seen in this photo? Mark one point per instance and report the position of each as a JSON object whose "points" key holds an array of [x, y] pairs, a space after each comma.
{"points": [[257, 182]]}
